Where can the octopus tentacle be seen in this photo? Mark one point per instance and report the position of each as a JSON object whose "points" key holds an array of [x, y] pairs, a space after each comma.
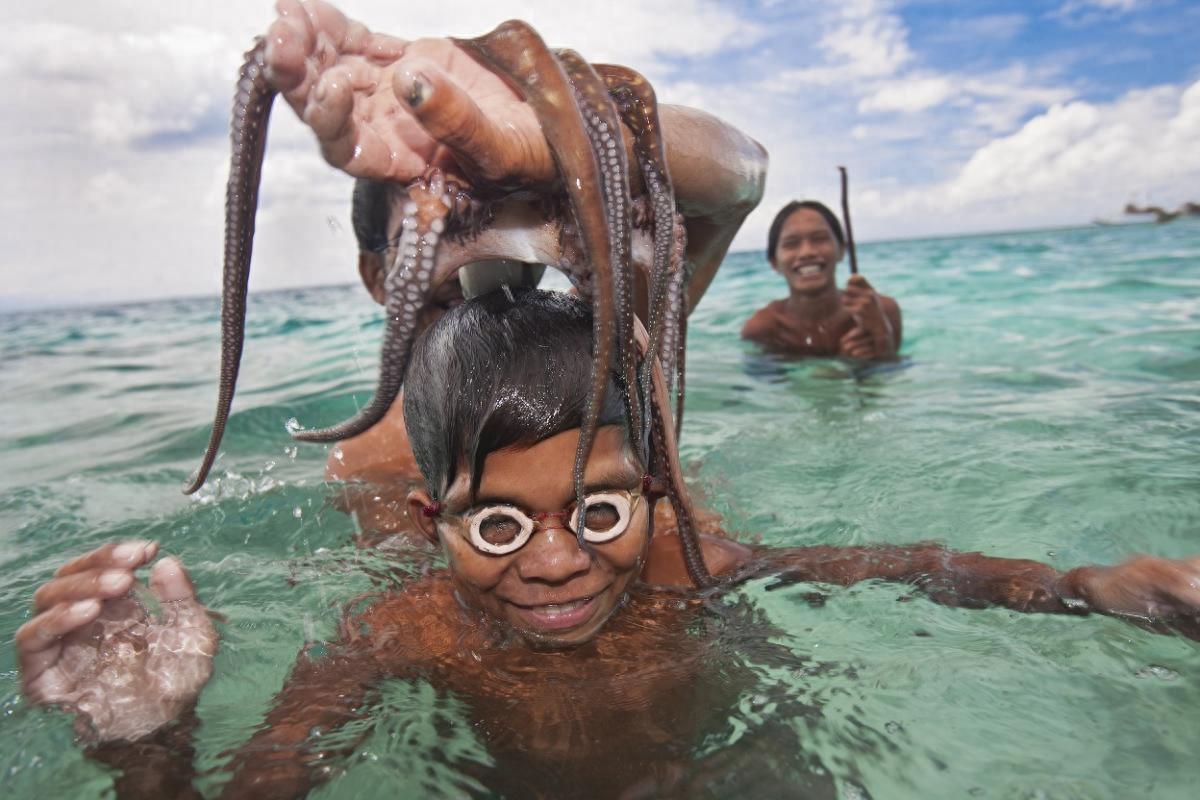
{"points": [[248, 139], [408, 287], [604, 133], [674, 354], [667, 458], [635, 99], [515, 52]]}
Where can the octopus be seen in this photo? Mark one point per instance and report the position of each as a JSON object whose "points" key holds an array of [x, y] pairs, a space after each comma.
{"points": [[448, 223]]}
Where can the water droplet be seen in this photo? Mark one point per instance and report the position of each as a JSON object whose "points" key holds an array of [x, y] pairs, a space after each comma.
{"points": [[851, 791], [1075, 604], [297, 512], [291, 451], [293, 425]]}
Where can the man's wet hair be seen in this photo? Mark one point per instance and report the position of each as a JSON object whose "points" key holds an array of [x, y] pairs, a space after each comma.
{"points": [[369, 211], [506, 369], [831, 219]]}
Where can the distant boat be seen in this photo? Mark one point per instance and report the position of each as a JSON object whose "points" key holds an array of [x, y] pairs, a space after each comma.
{"points": [[1161, 215]]}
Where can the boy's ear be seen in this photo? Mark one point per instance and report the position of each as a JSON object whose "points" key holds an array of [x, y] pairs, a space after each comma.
{"points": [[418, 500], [373, 272]]}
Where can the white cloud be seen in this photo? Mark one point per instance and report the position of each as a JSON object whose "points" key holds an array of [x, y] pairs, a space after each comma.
{"points": [[913, 93], [1085, 12], [1075, 160], [869, 41], [122, 87], [1072, 6]]}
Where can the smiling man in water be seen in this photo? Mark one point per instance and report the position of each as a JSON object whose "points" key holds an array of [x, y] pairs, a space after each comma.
{"points": [[804, 245]]}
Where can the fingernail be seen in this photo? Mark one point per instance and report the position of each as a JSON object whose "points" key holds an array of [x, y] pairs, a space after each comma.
{"points": [[115, 581], [419, 89], [81, 607], [127, 551]]}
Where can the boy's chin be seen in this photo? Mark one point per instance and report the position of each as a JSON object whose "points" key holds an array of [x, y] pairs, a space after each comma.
{"points": [[541, 641]]}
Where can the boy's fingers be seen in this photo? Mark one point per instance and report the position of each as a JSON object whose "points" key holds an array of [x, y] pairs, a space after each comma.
{"points": [[446, 112], [290, 39], [38, 641], [451, 116], [121, 555], [329, 106], [854, 336], [93, 584], [169, 581]]}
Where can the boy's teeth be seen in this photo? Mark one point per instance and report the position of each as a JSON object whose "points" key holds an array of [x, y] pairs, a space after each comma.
{"points": [[811, 269], [562, 608]]}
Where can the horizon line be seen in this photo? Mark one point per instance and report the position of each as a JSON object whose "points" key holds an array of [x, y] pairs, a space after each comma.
{"points": [[41, 304]]}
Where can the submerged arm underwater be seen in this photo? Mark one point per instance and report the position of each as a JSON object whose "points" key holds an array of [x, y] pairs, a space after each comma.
{"points": [[1157, 593]]}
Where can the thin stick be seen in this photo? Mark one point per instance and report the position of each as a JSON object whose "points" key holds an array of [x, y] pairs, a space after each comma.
{"points": [[846, 219]]}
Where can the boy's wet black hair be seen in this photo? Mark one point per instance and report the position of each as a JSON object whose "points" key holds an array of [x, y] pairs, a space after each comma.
{"points": [[813, 205], [369, 212], [508, 368]]}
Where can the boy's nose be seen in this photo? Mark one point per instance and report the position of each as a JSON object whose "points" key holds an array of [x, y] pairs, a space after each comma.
{"points": [[553, 555]]}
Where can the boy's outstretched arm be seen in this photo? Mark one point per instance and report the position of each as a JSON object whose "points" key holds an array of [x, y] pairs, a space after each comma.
{"points": [[293, 749], [718, 174], [1154, 592], [400, 635], [1157, 592]]}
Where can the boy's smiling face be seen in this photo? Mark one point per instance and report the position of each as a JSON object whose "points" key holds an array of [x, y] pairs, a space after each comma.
{"points": [[550, 590]]}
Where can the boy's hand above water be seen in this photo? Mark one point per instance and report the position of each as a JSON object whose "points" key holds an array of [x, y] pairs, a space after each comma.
{"points": [[873, 335], [1157, 591], [386, 108], [93, 647]]}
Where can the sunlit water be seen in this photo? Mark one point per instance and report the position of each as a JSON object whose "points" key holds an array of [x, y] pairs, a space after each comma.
{"points": [[1048, 407]]}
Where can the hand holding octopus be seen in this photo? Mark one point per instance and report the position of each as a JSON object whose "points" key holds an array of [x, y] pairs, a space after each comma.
{"points": [[465, 125], [389, 109]]}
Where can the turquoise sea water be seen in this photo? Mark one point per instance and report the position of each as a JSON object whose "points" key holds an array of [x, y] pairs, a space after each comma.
{"points": [[1048, 407]]}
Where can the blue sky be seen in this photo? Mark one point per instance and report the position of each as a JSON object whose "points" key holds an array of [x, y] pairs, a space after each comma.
{"points": [[954, 117]]}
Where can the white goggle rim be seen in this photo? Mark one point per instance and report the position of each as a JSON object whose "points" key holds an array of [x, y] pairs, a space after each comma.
{"points": [[622, 502], [518, 541]]}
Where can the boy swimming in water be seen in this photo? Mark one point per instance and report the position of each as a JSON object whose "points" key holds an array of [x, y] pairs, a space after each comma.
{"points": [[576, 660], [581, 677], [804, 245]]}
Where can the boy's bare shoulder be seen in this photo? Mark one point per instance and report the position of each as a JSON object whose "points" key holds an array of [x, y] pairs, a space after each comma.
{"points": [[665, 567], [417, 625], [763, 321]]}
